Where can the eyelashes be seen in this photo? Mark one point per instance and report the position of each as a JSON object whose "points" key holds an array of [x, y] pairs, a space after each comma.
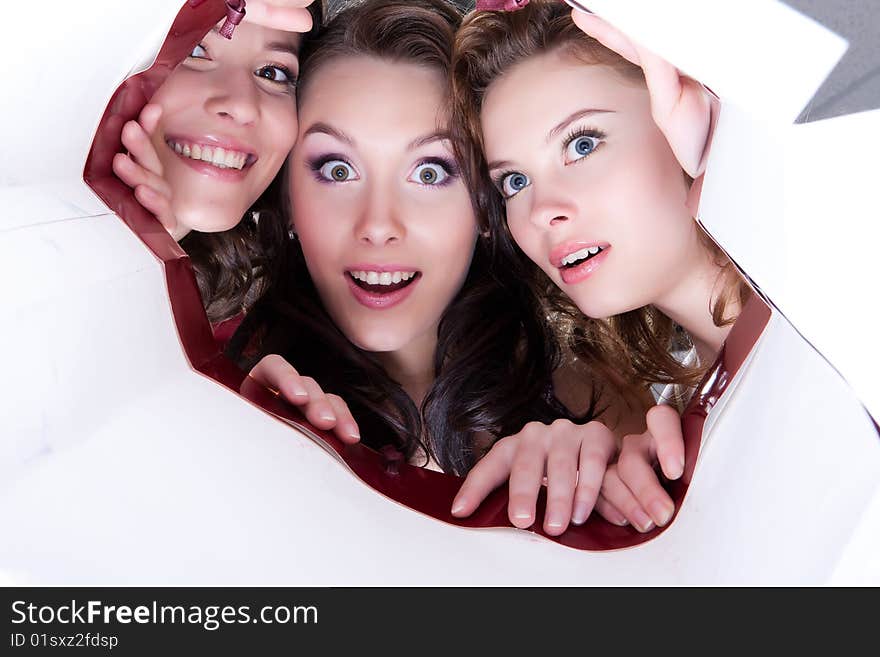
{"points": [[578, 145], [276, 74], [429, 172]]}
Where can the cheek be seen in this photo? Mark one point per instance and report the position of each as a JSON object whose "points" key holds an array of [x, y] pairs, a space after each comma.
{"points": [[280, 126]]}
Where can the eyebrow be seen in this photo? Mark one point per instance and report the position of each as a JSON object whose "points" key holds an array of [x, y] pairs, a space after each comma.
{"points": [[437, 135], [571, 118], [275, 46], [574, 117], [327, 129]]}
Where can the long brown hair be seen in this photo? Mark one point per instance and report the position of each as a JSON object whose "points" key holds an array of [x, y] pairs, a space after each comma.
{"points": [[493, 362], [637, 344], [233, 267]]}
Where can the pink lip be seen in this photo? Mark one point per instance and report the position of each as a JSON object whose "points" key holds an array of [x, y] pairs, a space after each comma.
{"points": [[559, 252], [380, 268], [204, 168], [380, 301], [581, 272]]}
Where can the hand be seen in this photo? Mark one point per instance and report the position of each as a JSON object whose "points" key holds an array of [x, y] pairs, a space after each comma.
{"points": [[631, 490], [574, 458], [324, 411], [681, 107], [141, 169], [287, 15]]}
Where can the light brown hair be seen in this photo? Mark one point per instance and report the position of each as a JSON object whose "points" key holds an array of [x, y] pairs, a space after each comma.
{"points": [[637, 344]]}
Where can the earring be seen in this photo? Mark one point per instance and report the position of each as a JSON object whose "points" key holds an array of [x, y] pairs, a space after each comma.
{"points": [[291, 234], [255, 217]]}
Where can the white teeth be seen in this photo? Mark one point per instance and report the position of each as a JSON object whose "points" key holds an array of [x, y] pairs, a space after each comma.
{"points": [[382, 278], [580, 255], [219, 157]]}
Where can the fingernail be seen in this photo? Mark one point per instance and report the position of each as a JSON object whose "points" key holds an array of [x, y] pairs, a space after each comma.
{"points": [[660, 511], [327, 416], [457, 507], [674, 468], [581, 511], [555, 522], [354, 434], [299, 391], [642, 521]]}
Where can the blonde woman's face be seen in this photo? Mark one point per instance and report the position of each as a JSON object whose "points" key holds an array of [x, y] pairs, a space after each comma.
{"points": [[228, 123], [382, 214], [594, 194]]}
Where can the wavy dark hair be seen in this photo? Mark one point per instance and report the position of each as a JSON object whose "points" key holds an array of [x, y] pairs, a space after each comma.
{"points": [[493, 362], [631, 349], [233, 268]]}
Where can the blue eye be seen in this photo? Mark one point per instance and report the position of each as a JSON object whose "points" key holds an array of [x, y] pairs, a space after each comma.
{"points": [[513, 183], [429, 173], [199, 52], [337, 171], [580, 145]]}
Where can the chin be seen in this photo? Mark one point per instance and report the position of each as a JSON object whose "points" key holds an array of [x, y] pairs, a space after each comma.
{"points": [[205, 221], [378, 341]]}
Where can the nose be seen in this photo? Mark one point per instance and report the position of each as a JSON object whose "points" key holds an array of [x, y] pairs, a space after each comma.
{"points": [[552, 205], [234, 97], [379, 224]]}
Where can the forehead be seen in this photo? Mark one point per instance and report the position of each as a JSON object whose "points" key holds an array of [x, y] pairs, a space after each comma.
{"points": [[537, 92], [250, 37], [368, 95]]}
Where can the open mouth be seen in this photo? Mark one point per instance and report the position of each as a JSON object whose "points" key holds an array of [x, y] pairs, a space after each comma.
{"points": [[222, 158], [580, 257], [385, 282]]}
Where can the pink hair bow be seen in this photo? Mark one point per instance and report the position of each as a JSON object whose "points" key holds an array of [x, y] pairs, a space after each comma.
{"points": [[501, 5], [234, 15]]}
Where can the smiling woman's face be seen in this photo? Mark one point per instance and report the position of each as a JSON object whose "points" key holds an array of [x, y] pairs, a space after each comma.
{"points": [[228, 122], [594, 194], [384, 218]]}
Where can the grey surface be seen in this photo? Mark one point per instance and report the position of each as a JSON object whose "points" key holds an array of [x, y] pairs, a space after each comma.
{"points": [[854, 85]]}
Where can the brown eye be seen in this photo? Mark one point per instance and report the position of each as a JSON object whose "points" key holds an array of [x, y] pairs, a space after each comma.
{"points": [[337, 171], [430, 173]]}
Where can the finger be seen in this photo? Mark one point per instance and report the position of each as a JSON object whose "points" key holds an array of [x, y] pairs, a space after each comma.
{"points": [[608, 511], [159, 205], [597, 448], [608, 36], [636, 469], [488, 474], [562, 478], [149, 118], [526, 476], [346, 426], [280, 376], [664, 425], [317, 410], [140, 148], [287, 16], [617, 494], [133, 174]]}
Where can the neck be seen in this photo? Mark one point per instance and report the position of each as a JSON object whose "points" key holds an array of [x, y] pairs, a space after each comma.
{"points": [[690, 301], [413, 366]]}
